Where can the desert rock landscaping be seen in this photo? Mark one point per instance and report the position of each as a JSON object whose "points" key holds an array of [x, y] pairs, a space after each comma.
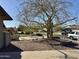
{"points": [[30, 45]]}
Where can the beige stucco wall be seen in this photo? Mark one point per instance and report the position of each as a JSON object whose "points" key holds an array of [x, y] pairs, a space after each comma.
{"points": [[1, 39], [1, 33], [1, 25], [4, 36], [7, 38]]}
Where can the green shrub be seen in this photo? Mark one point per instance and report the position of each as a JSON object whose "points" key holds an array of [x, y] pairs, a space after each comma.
{"points": [[38, 34]]}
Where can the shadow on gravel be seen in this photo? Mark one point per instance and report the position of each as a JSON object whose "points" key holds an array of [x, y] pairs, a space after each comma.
{"points": [[10, 52], [70, 45], [11, 48], [67, 44], [58, 44]]}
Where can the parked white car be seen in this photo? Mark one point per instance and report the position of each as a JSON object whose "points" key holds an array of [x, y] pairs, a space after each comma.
{"points": [[74, 35]]}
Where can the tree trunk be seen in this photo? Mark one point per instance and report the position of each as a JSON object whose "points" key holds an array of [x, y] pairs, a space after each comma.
{"points": [[51, 32], [49, 29]]}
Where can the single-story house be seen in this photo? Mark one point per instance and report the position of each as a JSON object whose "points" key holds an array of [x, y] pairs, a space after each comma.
{"points": [[73, 27], [4, 36]]}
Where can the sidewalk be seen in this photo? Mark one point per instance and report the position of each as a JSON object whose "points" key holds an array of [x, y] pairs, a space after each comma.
{"points": [[42, 55], [53, 54]]}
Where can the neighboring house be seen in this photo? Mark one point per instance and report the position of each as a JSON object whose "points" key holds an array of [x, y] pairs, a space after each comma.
{"points": [[4, 36], [73, 27]]}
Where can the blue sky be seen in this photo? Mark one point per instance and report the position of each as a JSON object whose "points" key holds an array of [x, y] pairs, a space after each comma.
{"points": [[12, 6]]}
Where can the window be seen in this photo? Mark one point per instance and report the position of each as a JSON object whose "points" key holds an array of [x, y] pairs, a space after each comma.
{"points": [[77, 33], [72, 32]]}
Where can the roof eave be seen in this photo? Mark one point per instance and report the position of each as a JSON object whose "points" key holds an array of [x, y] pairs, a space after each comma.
{"points": [[4, 15]]}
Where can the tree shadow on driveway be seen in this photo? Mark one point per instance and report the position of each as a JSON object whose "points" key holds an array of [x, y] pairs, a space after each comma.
{"points": [[10, 52]]}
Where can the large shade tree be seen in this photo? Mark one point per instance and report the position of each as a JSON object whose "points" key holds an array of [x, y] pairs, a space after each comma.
{"points": [[49, 12]]}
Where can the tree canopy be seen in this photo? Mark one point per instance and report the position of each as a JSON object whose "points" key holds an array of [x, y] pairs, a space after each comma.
{"points": [[48, 12]]}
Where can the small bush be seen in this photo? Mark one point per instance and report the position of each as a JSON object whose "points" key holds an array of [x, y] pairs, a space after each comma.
{"points": [[22, 33], [15, 37], [38, 34], [28, 32]]}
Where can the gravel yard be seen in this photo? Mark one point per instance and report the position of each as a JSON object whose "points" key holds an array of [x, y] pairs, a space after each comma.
{"points": [[31, 45], [37, 45], [28, 45]]}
